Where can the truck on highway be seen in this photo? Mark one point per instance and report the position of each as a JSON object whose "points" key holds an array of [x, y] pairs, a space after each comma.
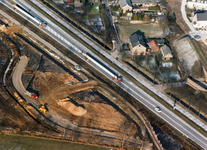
{"points": [[32, 95], [104, 67]]}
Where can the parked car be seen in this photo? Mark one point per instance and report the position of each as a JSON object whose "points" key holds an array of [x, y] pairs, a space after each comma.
{"points": [[158, 109], [77, 67], [197, 36]]}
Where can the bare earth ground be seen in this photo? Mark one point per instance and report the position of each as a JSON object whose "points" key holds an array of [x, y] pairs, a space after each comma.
{"points": [[186, 51], [194, 99], [99, 115], [125, 29], [11, 113], [174, 7]]}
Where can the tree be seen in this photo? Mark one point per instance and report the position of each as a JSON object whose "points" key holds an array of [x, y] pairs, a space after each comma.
{"points": [[139, 17], [101, 7], [150, 16], [120, 12], [200, 101], [142, 15], [125, 14], [132, 18], [173, 16], [135, 17]]}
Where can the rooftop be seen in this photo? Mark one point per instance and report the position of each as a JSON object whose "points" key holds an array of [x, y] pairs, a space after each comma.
{"points": [[125, 2], [202, 16], [198, 1], [136, 39], [152, 43], [165, 50], [145, 1]]}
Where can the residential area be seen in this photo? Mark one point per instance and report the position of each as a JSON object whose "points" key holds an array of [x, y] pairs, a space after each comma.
{"points": [[103, 74]]}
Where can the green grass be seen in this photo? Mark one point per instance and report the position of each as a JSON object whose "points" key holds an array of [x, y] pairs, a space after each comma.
{"points": [[115, 13], [125, 29], [154, 8], [94, 9], [31, 143]]}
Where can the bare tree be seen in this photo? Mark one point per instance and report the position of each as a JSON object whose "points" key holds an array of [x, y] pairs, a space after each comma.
{"points": [[200, 101]]}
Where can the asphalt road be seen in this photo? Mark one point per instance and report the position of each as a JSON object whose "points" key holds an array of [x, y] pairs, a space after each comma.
{"points": [[17, 82], [73, 45], [193, 32]]}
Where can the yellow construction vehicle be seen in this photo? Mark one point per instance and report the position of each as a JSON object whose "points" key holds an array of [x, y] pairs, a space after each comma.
{"points": [[43, 109]]}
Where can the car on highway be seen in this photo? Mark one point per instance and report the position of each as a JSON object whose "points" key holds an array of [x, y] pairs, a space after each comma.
{"points": [[77, 67], [197, 36], [158, 109]]}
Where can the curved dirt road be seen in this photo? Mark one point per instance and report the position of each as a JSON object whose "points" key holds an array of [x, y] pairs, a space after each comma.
{"points": [[17, 80], [51, 118]]}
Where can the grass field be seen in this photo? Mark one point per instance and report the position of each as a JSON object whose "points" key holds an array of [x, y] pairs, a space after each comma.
{"points": [[125, 29], [30, 143], [94, 9]]}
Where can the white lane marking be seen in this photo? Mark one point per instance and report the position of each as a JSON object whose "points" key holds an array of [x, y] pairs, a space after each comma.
{"points": [[124, 84], [165, 115]]}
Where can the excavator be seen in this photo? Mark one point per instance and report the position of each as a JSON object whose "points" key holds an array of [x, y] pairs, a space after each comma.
{"points": [[43, 109]]}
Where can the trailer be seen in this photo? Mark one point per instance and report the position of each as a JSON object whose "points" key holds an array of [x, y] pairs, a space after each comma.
{"points": [[41, 23]]}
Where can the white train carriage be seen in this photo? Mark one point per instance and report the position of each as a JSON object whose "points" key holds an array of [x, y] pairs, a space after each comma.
{"points": [[114, 76]]}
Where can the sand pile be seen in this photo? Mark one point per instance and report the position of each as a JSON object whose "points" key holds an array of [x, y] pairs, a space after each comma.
{"points": [[75, 110]]}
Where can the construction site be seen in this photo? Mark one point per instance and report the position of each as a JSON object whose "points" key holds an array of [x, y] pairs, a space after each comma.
{"points": [[43, 95], [70, 98]]}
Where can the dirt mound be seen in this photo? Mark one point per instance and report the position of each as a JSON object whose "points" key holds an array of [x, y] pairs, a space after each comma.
{"points": [[9, 30], [44, 82], [3, 28], [75, 110]]}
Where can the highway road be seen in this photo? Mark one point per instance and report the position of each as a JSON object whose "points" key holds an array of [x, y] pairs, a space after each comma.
{"points": [[73, 45]]}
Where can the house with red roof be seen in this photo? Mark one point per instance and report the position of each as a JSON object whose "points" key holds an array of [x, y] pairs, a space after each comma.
{"points": [[153, 45]]}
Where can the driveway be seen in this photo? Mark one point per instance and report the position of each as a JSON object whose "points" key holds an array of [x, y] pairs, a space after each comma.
{"points": [[185, 16]]}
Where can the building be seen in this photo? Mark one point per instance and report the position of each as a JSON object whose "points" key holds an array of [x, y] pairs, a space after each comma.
{"points": [[125, 5], [197, 4], [145, 3], [199, 20], [166, 52], [137, 5], [153, 45], [69, 2], [129, 13], [159, 41], [58, 1], [137, 44]]}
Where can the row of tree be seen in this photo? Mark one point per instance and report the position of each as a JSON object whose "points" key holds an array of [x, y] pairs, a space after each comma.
{"points": [[137, 16], [115, 7]]}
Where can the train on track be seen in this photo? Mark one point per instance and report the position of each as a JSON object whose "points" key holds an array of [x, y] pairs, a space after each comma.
{"points": [[41, 23], [87, 56], [91, 58]]}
